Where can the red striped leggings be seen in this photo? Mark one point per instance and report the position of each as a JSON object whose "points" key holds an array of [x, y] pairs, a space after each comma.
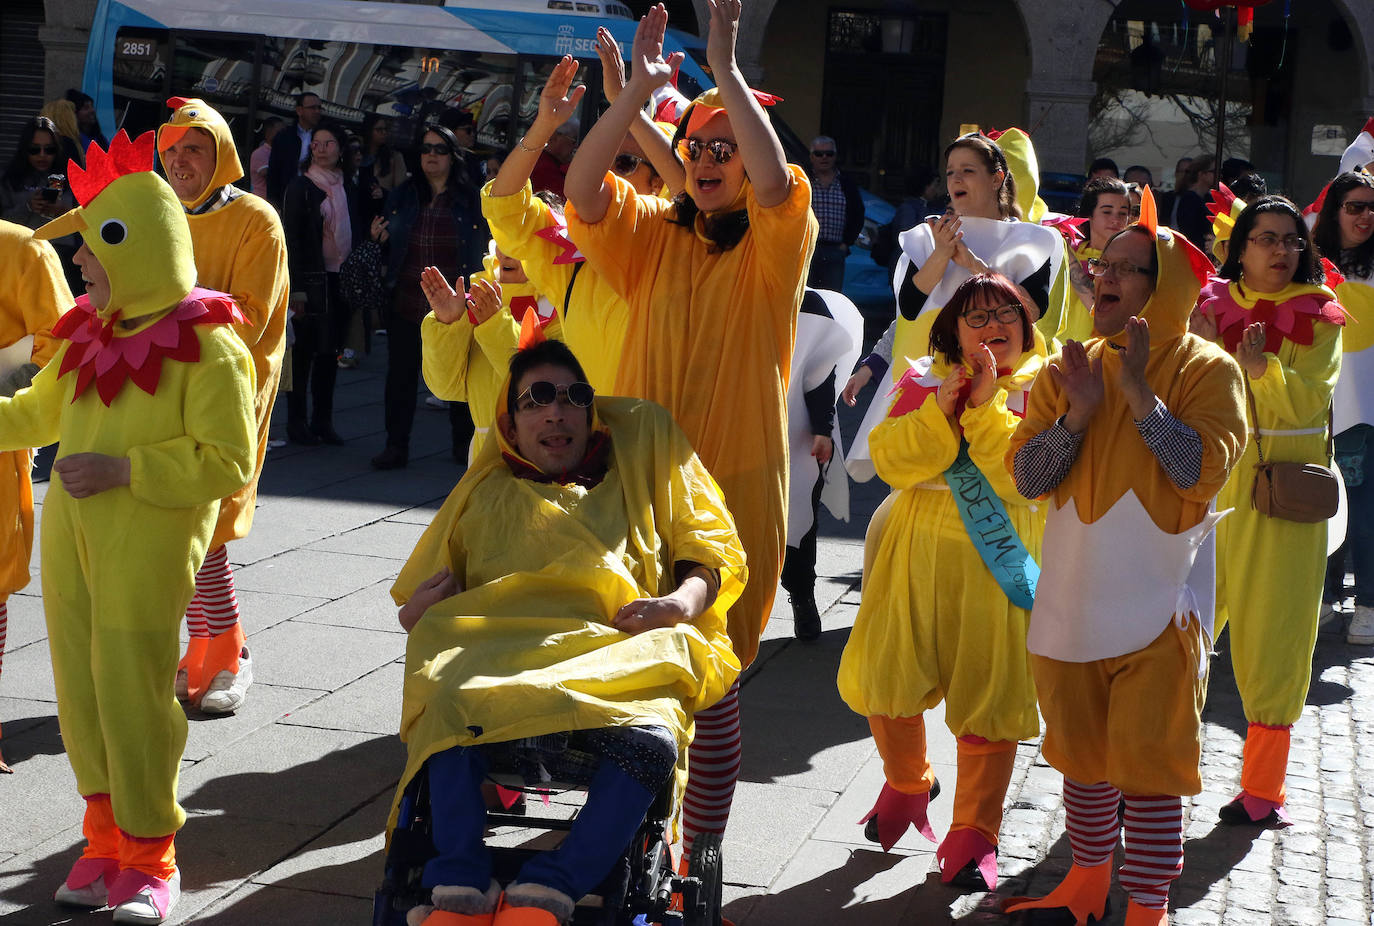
{"points": [[1154, 837], [215, 608], [713, 762]]}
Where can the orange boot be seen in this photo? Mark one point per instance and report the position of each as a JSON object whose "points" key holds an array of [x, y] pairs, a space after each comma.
{"points": [[910, 785], [90, 880], [191, 671], [1136, 915], [1083, 892], [533, 905], [1262, 792], [968, 853]]}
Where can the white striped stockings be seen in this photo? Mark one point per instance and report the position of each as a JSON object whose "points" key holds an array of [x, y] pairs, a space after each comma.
{"points": [[214, 608], [713, 763]]}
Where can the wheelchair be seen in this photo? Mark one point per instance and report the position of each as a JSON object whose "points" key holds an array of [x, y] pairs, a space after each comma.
{"points": [[638, 891]]}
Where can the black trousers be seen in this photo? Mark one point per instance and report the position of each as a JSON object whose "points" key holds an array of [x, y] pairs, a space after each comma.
{"points": [[403, 364], [314, 359], [799, 564]]}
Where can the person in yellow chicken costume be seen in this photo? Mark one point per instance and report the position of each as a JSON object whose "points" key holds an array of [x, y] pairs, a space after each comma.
{"points": [[150, 398], [947, 598], [467, 339], [1270, 306], [714, 281], [604, 615], [239, 249], [1130, 437], [32, 297]]}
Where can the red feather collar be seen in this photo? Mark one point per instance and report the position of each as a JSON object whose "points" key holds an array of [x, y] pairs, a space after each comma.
{"points": [[1290, 320], [98, 355]]}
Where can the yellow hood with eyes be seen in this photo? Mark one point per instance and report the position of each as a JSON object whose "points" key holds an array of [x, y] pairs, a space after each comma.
{"points": [[134, 226], [197, 114]]}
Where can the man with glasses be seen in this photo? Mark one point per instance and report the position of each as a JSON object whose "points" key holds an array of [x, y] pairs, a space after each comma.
{"points": [[604, 614], [290, 146], [839, 209], [1130, 437]]}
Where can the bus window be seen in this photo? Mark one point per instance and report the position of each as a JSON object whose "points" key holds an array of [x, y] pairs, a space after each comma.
{"points": [[534, 73], [140, 79], [219, 70]]}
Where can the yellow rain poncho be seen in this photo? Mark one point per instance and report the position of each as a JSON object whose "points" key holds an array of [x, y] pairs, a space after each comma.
{"points": [[595, 318], [528, 648], [710, 338], [463, 362], [934, 624]]}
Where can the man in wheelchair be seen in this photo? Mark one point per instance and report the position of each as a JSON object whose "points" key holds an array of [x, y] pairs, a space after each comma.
{"points": [[576, 579]]}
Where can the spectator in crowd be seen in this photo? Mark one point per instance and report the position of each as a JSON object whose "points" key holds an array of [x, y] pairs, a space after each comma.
{"points": [[1140, 175], [87, 122], [322, 218], [1188, 211], [34, 190], [1344, 234], [383, 168], [433, 220], [1248, 187], [1103, 167], [839, 209], [1106, 204], [1232, 169], [464, 128], [63, 115], [257, 161], [552, 166], [291, 147]]}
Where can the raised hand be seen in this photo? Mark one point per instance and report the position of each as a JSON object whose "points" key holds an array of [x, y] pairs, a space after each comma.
{"points": [[612, 64], [1250, 350], [556, 104], [486, 299], [1081, 381], [947, 230], [1203, 324], [447, 303], [983, 383], [650, 70], [720, 43], [947, 394]]}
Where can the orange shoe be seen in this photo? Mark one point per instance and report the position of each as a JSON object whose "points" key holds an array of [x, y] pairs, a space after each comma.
{"points": [[1083, 892], [190, 678], [533, 905], [1136, 915]]}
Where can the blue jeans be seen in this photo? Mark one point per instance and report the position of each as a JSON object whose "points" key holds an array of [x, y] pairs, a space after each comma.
{"points": [[1359, 537], [616, 804]]}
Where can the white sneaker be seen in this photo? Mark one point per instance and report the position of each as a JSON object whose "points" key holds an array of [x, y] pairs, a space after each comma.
{"points": [[226, 690], [1361, 629], [143, 906]]}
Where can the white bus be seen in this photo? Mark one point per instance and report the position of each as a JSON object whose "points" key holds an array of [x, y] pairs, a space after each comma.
{"points": [[249, 59]]}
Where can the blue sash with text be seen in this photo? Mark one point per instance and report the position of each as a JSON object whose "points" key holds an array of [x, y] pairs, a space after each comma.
{"points": [[985, 519]]}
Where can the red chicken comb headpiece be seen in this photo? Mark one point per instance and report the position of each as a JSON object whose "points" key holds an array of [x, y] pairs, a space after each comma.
{"points": [[104, 167], [531, 332]]}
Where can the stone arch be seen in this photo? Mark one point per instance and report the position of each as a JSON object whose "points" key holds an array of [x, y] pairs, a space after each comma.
{"points": [[1359, 16]]}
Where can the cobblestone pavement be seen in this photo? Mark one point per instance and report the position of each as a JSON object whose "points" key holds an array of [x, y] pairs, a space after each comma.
{"points": [[289, 797]]}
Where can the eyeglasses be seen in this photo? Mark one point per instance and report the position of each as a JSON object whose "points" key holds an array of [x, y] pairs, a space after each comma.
{"points": [[1272, 242], [626, 164], [435, 149], [544, 393], [1121, 268], [1351, 206], [979, 318], [823, 154], [690, 149], [323, 143], [42, 149]]}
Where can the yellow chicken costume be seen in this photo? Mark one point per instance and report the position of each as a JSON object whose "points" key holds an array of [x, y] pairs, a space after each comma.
{"points": [[1270, 575], [1120, 630], [528, 648], [466, 361], [32, 298], [239, 249], [935, 624], [154, 380], [594, 319]]}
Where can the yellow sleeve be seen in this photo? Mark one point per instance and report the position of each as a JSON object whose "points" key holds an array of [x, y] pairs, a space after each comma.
{"points": [[40, 296], [444, 357], [628, 238], [1297, 396], [785, 235], [1216, 411], [498, 337], [988, 429], [915, 447], [259, 280], [439, 547], [217, 455], [514, 221], [32, 418]]}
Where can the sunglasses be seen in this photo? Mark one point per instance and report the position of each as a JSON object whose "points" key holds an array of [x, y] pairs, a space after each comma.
{"points": [[1351, 206], [435, 149], [626, 164], [979, 318], [544, 393], [822, 154], [690, 149], [42, 149]]}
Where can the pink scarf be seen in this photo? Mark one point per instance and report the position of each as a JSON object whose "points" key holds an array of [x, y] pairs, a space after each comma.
{"points": [[338, 231]]}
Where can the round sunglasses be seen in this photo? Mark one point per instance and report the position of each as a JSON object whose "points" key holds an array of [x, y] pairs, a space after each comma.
{"points": [[544, 393]]}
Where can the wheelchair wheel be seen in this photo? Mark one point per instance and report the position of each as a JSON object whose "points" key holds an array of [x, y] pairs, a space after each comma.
{"points": [[706, 865]]}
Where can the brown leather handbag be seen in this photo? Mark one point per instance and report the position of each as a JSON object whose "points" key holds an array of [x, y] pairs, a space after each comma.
{"points": [[1302, 492]]}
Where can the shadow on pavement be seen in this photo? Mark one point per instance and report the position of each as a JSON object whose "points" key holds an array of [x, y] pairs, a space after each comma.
{"points": [[27, 737]]}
